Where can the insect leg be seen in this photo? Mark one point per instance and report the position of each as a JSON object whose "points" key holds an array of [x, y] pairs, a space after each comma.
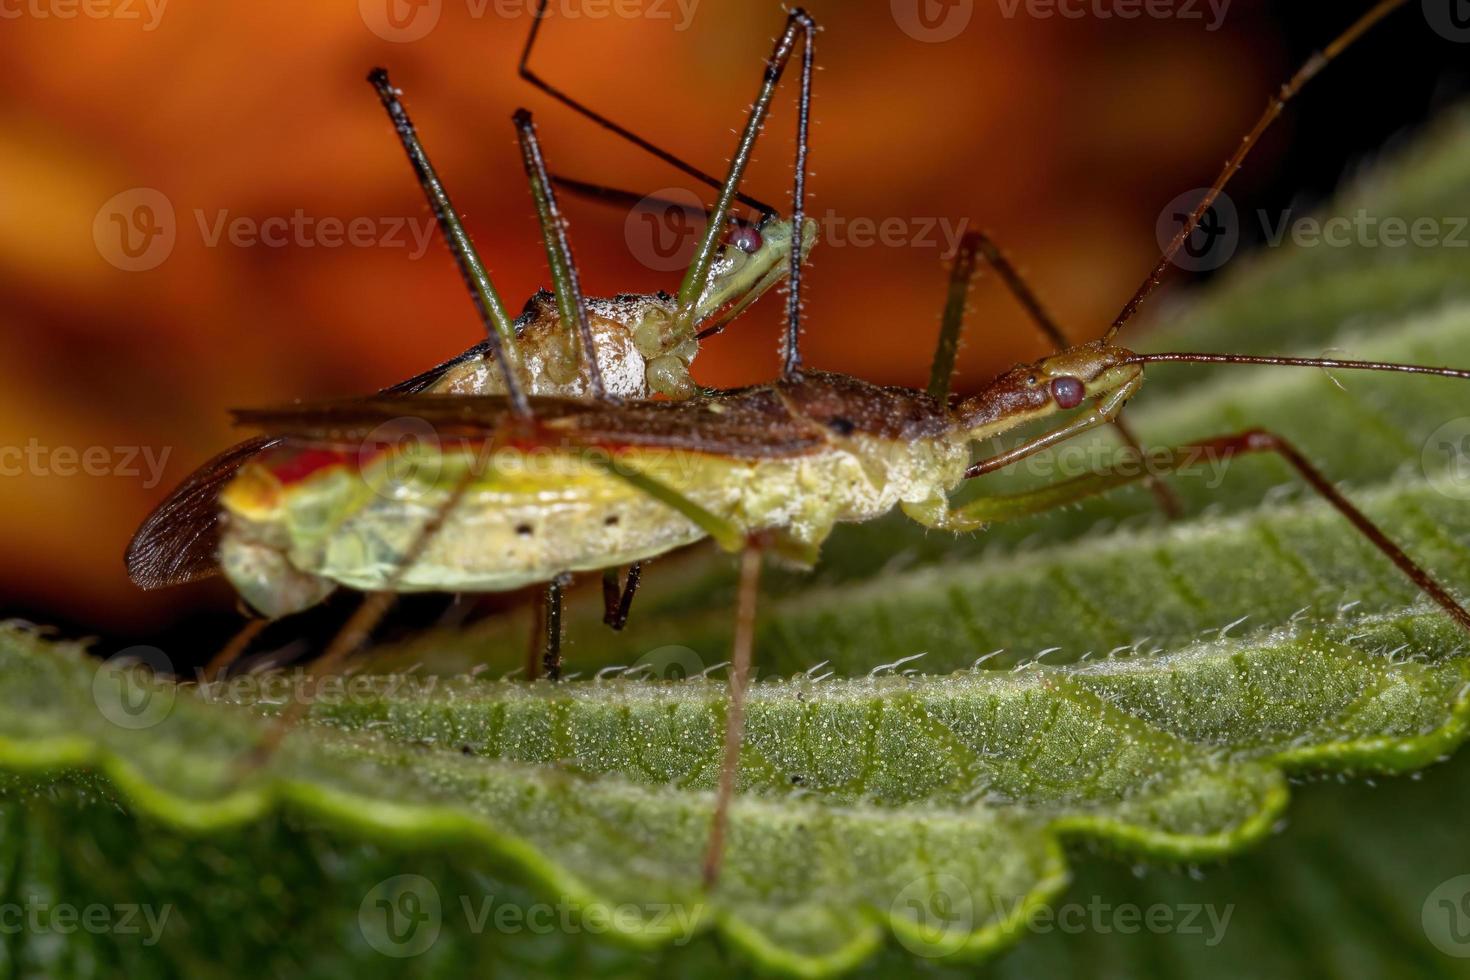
{"points": [[551, 651], [1285, 94], [498, 329], [986, 510], [612, 127], [952, 320], [235, 649], [743, 645], [951, 324], [799, 26], [617, 598], [570, 302]]}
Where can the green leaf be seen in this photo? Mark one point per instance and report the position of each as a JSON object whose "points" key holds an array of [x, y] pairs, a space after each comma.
{"points": [[945, 725]]}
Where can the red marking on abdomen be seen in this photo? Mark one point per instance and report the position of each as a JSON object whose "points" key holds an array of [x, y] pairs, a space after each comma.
{"points": [[292, 465]]}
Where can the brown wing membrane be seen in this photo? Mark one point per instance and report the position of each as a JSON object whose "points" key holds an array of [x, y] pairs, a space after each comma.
{"points": [[180, 539], [748, 423]]}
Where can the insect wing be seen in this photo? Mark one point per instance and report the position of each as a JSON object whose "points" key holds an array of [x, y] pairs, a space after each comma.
{"points": [[179, 541]]}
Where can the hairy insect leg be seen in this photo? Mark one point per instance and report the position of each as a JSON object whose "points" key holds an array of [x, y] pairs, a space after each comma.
{"points": [[952, 323], [799, 27], [498, 328], [622, 132], [617, 597], [741, 655], [987, 510], [570, 302], [551, 605]]}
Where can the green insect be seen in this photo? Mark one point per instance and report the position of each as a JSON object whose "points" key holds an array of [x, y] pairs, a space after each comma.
{"points": [[497, 494]]}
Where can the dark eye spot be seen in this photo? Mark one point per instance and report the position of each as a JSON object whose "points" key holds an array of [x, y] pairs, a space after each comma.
{"points": [[1068, 391], [841, 426], [524, 530], [1031, 381], [745, 238]]}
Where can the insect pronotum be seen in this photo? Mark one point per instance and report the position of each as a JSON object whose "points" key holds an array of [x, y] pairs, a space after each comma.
{"points": [[516, 497]]}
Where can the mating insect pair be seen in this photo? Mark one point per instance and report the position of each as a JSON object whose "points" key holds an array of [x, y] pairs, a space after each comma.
{"points": [[526, 490]]}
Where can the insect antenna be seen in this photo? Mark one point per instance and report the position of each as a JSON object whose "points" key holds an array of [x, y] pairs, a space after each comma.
{"points": [[498, 329], [1330, 363], [1285, 94], [536, 80], [630, 199], [568, 285]]}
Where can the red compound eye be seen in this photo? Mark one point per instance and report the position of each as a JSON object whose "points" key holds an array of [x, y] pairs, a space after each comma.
{"points": [[1068, 391], [745, 238]]}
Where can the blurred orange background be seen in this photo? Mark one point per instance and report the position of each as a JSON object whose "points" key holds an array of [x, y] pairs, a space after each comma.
{"points": [[1063, 137]]}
